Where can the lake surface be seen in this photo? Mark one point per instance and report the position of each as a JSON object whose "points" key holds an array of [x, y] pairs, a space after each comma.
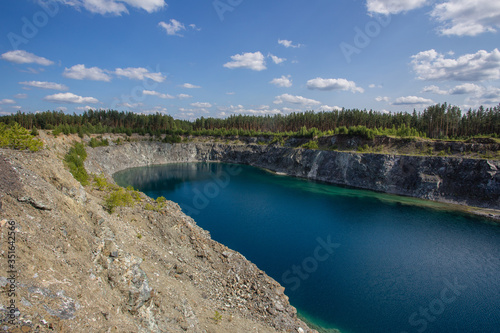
{"points": [[355, 260]]}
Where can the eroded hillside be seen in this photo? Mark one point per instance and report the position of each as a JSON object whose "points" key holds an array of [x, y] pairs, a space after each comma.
{"points": [[78, 268]]}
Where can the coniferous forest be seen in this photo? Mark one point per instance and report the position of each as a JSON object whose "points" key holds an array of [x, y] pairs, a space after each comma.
{"points": [[440, 121]]}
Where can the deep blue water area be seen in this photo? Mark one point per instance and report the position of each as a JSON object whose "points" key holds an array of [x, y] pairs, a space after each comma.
{"points": [[350, 259]]}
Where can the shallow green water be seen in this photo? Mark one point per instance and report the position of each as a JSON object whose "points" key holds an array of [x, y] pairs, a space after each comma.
{"points": [[356, 260]]}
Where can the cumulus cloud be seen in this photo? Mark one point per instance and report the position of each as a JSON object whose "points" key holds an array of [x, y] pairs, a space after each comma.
{"points": [[287, 98], [467, 18], [190, 86], [80, 72], [70, 98], [183, 96], [283, 81], [412, 100], [333, 84], [44, 85], [276, 59], [466, 88], [479, 66], [7, 101], [254, 61], [139, 73], [434, 90], [387, 7], [382, 99], [288, 43], [115, 7], [330, 108], [173, 28], [262, 110], [201, 105], [23, 57], [157, 94], [81, 108]]}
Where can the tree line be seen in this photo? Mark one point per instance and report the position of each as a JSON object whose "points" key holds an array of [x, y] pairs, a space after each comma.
{"points": [[440, 121]]}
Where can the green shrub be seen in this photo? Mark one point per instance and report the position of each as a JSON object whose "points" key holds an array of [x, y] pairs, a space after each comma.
{"points": [[98, 143], [311, 145], [74, 160], [17, 137], [118, 198]]}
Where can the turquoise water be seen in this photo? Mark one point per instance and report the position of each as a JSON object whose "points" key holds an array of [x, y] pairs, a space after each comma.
{"points": [[349, 259]]}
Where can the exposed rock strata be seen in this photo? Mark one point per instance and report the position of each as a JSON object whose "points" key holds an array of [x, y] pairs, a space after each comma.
{"points": [[472, 182]]}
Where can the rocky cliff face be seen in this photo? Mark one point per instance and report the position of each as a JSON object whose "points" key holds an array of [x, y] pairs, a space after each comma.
{"points": [[471, 182], [78, 268]]}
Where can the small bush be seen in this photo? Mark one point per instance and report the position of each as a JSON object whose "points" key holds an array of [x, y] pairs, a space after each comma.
{"points": [[74, 160], [17, 137], [98, 143], [311, 145]]}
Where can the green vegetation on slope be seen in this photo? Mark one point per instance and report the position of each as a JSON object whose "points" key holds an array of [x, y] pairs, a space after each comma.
{"points": [[16, 137]]}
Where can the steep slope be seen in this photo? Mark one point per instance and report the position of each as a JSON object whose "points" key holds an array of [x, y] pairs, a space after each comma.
{"points": [[78, 268]]}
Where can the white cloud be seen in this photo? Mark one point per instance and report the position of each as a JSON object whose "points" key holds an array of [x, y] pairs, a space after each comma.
{"points": [[466, 88], [254, 61], [70, 98], [287, 98], [382, 99], [333, 84], [44, 85], [201, 105], [283, 81], [288, 43], [387, 7], [80, 72], [190, 86], [466, 17], [276, 59], [262, 110], [85, 108], [155, 93], [115, 7], [156, 109], [22, 96], [173, 27], [330, 108], [62, 108], [373, 85], [184, 96], [7, 101], [130, 105], [479, 66], [434, 89], [139, 73], [412, 100], [23, 57]]}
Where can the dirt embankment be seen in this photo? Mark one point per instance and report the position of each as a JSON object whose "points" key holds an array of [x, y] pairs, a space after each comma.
{"points": [[78, 268]]}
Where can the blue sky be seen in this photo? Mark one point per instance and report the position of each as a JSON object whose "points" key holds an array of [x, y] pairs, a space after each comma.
{"points": [[195, 58]]}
